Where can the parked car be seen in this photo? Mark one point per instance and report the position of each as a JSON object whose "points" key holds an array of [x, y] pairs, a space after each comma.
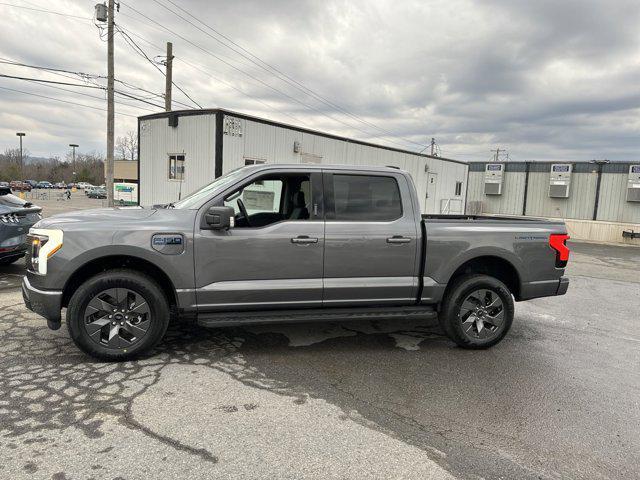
{"points": [[97, 193], [18, 186], [60, 185], [4, 184], [17, 216], [83, 185], [44, 184], [70, 185], [32, 183], [88, 189], [297, 242]]}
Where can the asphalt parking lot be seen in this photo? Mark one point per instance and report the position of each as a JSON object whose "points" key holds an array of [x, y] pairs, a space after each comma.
{"points": [[558, 398]]}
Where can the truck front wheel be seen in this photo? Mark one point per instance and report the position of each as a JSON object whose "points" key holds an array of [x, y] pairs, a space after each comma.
{"points": [[117, 315], [477, 311]]}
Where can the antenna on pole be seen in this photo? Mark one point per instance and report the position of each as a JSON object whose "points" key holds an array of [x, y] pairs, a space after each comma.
{"points": [[500, 155], [435, 148]]}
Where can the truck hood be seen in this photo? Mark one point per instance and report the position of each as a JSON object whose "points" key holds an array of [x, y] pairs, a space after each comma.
{"points": [[102, 215]]}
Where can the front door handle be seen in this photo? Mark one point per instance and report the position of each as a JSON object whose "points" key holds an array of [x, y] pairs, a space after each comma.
{"points": [[397, 239], [304, 240]]}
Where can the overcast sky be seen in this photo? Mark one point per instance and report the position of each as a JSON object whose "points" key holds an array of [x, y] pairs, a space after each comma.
{"points": [[544, 79]]}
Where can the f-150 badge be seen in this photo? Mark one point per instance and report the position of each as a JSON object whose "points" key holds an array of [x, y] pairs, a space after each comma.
{"points": [[168, 243]]}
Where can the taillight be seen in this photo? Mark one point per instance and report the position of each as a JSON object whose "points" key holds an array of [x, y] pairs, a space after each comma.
{"points": [[558, 241]]}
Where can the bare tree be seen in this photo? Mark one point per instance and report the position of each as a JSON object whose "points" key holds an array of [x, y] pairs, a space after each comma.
{"points": [[127, 146], [10, 163]]}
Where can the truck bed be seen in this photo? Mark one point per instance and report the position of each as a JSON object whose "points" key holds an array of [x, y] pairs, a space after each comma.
{"points": [[487, 218], [515, 247]]}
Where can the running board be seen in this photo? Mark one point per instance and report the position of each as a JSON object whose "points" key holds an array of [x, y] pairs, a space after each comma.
{"points": [[224, 319]]}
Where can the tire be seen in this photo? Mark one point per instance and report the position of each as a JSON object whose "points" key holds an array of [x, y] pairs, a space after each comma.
{"points": [[100, 328], [477, 311]]}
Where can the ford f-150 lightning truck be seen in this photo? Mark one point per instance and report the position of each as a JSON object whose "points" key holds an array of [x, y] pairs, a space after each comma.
{"points": [[287, 243]]}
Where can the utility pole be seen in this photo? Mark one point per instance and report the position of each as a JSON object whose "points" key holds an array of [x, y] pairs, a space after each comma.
{"points": [[503, 152], [169, 77], [74, 146], [21, 134], [110, 106]]}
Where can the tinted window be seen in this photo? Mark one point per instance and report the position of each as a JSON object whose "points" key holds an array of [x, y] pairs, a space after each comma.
{"points": [[366, 198]]}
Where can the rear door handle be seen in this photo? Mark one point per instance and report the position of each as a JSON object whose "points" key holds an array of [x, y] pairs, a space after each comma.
{"points": [[397, 239], [304, 240]]}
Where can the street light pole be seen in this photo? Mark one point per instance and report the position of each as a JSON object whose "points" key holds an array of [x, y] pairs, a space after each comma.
{"points": [[21, 134], [74, 146]]}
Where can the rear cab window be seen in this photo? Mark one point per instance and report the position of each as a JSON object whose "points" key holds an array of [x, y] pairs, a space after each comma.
{"points": [[366, 198]]}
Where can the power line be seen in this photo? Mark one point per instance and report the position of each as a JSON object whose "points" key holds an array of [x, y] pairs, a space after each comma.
{"points": [[230, 85], [138, 49], [246, 73], [190, 64], [138, 99], [279, 74], [45, 11], [79, 85], [274, 70], [98, 98], [63, 101], [86, 76], [51, 81], [51, 69]]}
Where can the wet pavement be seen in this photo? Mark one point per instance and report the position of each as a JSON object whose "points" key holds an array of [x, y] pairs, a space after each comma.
{"points": [[558, 398]]}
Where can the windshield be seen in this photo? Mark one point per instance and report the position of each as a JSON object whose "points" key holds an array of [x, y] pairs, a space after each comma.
{"points": [[210, 190]]}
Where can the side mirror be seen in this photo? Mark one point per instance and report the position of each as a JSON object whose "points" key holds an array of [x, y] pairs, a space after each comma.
{"points": [[219, 218]]}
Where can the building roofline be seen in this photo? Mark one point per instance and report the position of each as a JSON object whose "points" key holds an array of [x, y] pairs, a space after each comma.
{"points": [[212, 111], [551, 162]]}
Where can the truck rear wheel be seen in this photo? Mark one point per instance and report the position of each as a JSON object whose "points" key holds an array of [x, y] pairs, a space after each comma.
{"points": [[117, 315], [477, 311]]}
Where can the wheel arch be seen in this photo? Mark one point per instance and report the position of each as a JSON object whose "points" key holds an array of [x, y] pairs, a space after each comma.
{"points": [[111, 262], [494, 266]]}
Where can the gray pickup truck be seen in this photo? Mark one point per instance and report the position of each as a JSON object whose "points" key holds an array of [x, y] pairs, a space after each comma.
{"points": [[287, 243]]}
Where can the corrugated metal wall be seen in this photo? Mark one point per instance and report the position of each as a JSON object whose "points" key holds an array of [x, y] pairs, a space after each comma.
{"points": [[582, 196], [509, 203], [194, 137], [612, 204], [275, 144]]}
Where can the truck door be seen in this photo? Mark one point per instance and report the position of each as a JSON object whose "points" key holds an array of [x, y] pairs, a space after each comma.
{"points": [[273, 256], [371, 239]]}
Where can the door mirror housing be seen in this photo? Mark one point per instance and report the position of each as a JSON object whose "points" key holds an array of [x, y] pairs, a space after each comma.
{"points": [[219, 218]]}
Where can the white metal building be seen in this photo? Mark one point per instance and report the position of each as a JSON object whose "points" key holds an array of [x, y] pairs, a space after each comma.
{"points": [[181, 151], [597, 201]]}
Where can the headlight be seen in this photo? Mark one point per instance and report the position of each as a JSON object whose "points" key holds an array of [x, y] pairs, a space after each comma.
{"points": [[43, 243]]}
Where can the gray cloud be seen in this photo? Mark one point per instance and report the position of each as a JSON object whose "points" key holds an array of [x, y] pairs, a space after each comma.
{"points": [[545, 79]]}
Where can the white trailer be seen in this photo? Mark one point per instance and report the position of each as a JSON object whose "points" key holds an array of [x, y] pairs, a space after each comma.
{"points": [[181, 151], [125, 193]]}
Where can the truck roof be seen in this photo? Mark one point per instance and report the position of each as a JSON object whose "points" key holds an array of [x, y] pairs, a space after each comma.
{"points": [[312, 166]]}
